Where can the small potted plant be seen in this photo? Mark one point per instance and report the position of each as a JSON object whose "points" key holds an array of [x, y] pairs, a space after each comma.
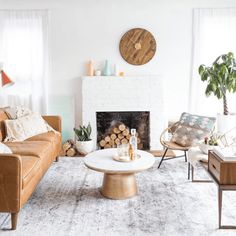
{"points": [[209, 142], [221, 80], [84, 143]]}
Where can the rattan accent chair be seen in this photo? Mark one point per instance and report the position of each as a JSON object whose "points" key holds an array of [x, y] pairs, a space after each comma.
{"points": [[167, 144]]}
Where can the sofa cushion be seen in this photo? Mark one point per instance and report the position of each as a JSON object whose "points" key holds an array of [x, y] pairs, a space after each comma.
{"points": [[41, 149], [30, 167], [51, 137], [30, 148]]}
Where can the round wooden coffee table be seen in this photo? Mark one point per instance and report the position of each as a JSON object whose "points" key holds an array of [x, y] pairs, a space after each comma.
{"points": [[119, 180]]}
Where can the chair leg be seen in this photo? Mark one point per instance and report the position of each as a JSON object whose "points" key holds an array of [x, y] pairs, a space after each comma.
{"points": [[14, 220], [185, 155], [162, 158], [57, 159], [188, 171]]}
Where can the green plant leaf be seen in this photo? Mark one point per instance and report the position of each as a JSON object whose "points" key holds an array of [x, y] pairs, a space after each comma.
{"points": [[201, 69], [220, 76], [83, 133]]}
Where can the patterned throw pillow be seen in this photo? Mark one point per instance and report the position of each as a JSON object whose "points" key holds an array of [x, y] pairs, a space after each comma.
{"points": [[192, 128], [25, 127], [17, 112]]}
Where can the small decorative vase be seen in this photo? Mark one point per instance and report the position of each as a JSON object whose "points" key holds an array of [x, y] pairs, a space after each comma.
{"points": [[98, 73], [90, 69], [107, 70], [115, 70]]}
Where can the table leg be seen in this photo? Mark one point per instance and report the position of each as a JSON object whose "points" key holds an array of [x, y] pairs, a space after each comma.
{"points": [[219, 205], [188, 170], [192, 172], [119, 186]]}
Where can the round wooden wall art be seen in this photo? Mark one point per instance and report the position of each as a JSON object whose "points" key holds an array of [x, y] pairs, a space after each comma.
{"points": [[137, 46]]}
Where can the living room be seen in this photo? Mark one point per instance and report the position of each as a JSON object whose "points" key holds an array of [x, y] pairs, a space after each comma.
{"points": [[117, 68]]}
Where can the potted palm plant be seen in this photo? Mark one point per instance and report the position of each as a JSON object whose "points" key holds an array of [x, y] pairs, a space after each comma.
{"points": [[221, 80], [84, 143]]}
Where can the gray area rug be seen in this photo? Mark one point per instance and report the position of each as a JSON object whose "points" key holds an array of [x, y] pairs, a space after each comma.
{"points": [[68, 202]]}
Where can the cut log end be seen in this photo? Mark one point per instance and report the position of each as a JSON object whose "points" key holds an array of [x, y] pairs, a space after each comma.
{"points": [[121, 127], [71, 152], [116, 130], [102, 143], [124, 141]]}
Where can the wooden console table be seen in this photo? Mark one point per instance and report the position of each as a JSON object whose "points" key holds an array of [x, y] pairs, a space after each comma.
{"points": [[223, 174]]}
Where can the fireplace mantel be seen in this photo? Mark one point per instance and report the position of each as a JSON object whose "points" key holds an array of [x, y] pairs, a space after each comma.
{"points": [[129, 93]]}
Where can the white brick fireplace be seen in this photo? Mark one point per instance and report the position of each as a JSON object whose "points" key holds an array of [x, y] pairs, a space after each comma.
{"points": [[136, 93]]}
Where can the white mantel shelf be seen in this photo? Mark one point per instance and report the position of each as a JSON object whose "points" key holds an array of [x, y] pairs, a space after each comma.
{"points": [[128, 93]]}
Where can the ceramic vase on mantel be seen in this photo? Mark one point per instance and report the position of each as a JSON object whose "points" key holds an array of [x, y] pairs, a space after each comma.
{"points": [[90, 69], [107, 69], [115, 70]]}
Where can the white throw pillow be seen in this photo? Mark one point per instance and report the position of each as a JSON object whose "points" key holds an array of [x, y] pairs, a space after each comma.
{"points": [[17, 112], [26, 127], [4, 149]]}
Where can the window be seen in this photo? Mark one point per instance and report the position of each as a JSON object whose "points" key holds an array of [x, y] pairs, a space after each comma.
{"points": [[214, 33], [24, 54]]}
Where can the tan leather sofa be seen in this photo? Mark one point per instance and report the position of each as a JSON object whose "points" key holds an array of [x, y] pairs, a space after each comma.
{"points": [[21, 172]]}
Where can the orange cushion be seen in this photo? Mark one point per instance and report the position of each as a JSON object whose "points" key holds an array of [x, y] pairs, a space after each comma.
{"points": [[30, 167], [53, 137], [29, 148], [49, 137]]}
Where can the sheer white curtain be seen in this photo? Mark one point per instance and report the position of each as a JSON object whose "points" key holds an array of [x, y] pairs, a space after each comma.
{"points": [[25, 57], [214, 33]]}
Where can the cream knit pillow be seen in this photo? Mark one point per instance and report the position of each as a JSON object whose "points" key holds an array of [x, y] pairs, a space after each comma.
{"points": [[25, 127]]}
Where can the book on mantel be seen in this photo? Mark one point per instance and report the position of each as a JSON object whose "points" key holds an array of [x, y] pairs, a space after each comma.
{"points": [[225, 153]]}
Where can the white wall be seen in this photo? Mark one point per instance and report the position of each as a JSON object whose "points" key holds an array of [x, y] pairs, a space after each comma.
{"points": [[91, 29]]}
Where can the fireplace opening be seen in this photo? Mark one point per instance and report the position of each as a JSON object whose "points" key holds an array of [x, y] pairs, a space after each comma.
{"points": [[113, 128]]}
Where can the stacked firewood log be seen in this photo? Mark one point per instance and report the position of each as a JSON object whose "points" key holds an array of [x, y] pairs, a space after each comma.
{"points": [[116, 135], [68, 148]]}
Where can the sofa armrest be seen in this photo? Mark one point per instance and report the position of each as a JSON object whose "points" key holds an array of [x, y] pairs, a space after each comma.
{"points": [[10, 182], [54, 122]]}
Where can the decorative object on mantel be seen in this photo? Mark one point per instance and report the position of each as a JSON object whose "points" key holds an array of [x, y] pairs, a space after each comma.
{"points": [[221, 78], [107, 69], [84, 144], [115, 70], [98, 73], [137, 46], [90, 69], [68, 148]]}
